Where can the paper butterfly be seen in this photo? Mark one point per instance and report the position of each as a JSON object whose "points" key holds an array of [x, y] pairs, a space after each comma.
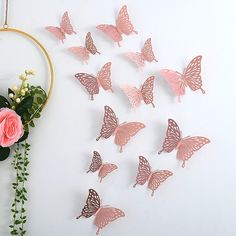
{"points": [[104, 169], [154, 178], [123, 26], [146, 55], [83, 52], [190, 78], [92, 83], [122, 132], [186, 147], [136, 95], [103, 214], [65, 28]]}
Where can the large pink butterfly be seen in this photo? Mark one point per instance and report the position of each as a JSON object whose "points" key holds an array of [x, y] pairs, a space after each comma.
{"points": [[104, 169], [123, 26], [103, 214], [83, 52], [190, 78], [122, 132], [186, 147], [154, 178], [92, 83], [136, 95], [146, 55], [65, 28]]}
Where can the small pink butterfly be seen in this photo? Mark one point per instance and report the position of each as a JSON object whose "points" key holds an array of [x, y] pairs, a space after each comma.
{"points": [[146, 55], [104, 169], [186, 147], [123, 26], [154, 178], [92, 83], [122, 132], [65, 28], [136, 95], [190, 78], [83, 52], [103, 214]]}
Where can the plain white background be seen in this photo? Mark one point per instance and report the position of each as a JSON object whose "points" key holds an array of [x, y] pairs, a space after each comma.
{"points": [[197, 200]]}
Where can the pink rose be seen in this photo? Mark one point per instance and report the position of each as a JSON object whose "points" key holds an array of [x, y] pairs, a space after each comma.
{"points": [[11, 128]]}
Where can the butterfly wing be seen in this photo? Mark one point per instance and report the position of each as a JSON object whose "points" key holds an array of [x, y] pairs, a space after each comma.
{"points": [[192, 74], [126, 131], [147, 90], [89, 82], [81, 52], [92, 204], [104, 77], [66, 25], [134, 95], [144, 171], [111, 31], [147, 51], [96, 162], [89, 44], [110, 123], [136, 58], [106, 215], [56, 31], [157, 178], [106, 169], [123, 22], [173, 137], [189, 146]]}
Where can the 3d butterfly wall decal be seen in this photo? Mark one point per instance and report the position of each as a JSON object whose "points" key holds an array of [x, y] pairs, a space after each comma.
{"points": [[146, 55], [92, 83], [83, 52], [154, 178], [103, 214], [104, 169], [122, 132], [65, 28], [136, 95], [186, 147], [191, 77], [123, 26]]}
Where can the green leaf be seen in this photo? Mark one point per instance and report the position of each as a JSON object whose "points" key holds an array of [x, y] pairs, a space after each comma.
{"points": [[25, 104], [4, 153], [4, 102], [24, 137]]}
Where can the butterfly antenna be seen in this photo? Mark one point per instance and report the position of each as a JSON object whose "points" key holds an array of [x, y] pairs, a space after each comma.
{"points": [[203, 91], [155, 60], [153, 105], [92, 97], [78, 217], [152, 193], [112, 90], [136, 32], [160, 151], [119, 44], [134, 185], [98, 138], [121, 149], [88, 171], [97, 231], [101, 180], [183, 165], [98, 53]]}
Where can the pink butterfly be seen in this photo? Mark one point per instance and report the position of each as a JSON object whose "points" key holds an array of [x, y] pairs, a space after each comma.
{"points": [[122, 132], [123, 26], [186, 147], [154, 178], [92, 83], [190, 78], [104, 169], [103, 214], [136, 95], [146, 55], [65, 28], [83, 52]]}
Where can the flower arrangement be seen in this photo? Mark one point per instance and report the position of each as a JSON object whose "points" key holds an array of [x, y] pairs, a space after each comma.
{"points": [[18, 111]]}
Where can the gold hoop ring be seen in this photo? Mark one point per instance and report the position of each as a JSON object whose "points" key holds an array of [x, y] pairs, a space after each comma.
{"points": [[42, 48]]}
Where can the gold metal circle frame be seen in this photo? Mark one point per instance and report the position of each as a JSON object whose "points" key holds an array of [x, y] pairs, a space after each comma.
{"points": [[43, 50]]}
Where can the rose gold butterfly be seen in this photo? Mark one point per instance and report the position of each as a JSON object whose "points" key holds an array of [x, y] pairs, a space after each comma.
{"points": [[136, 95], [122, 132], [83, 52], [190, 78], [103, 214], [186, 147], [65, 28], [92, 83], [146, 55], [104, 169], [123, 26], [154, 178]]}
